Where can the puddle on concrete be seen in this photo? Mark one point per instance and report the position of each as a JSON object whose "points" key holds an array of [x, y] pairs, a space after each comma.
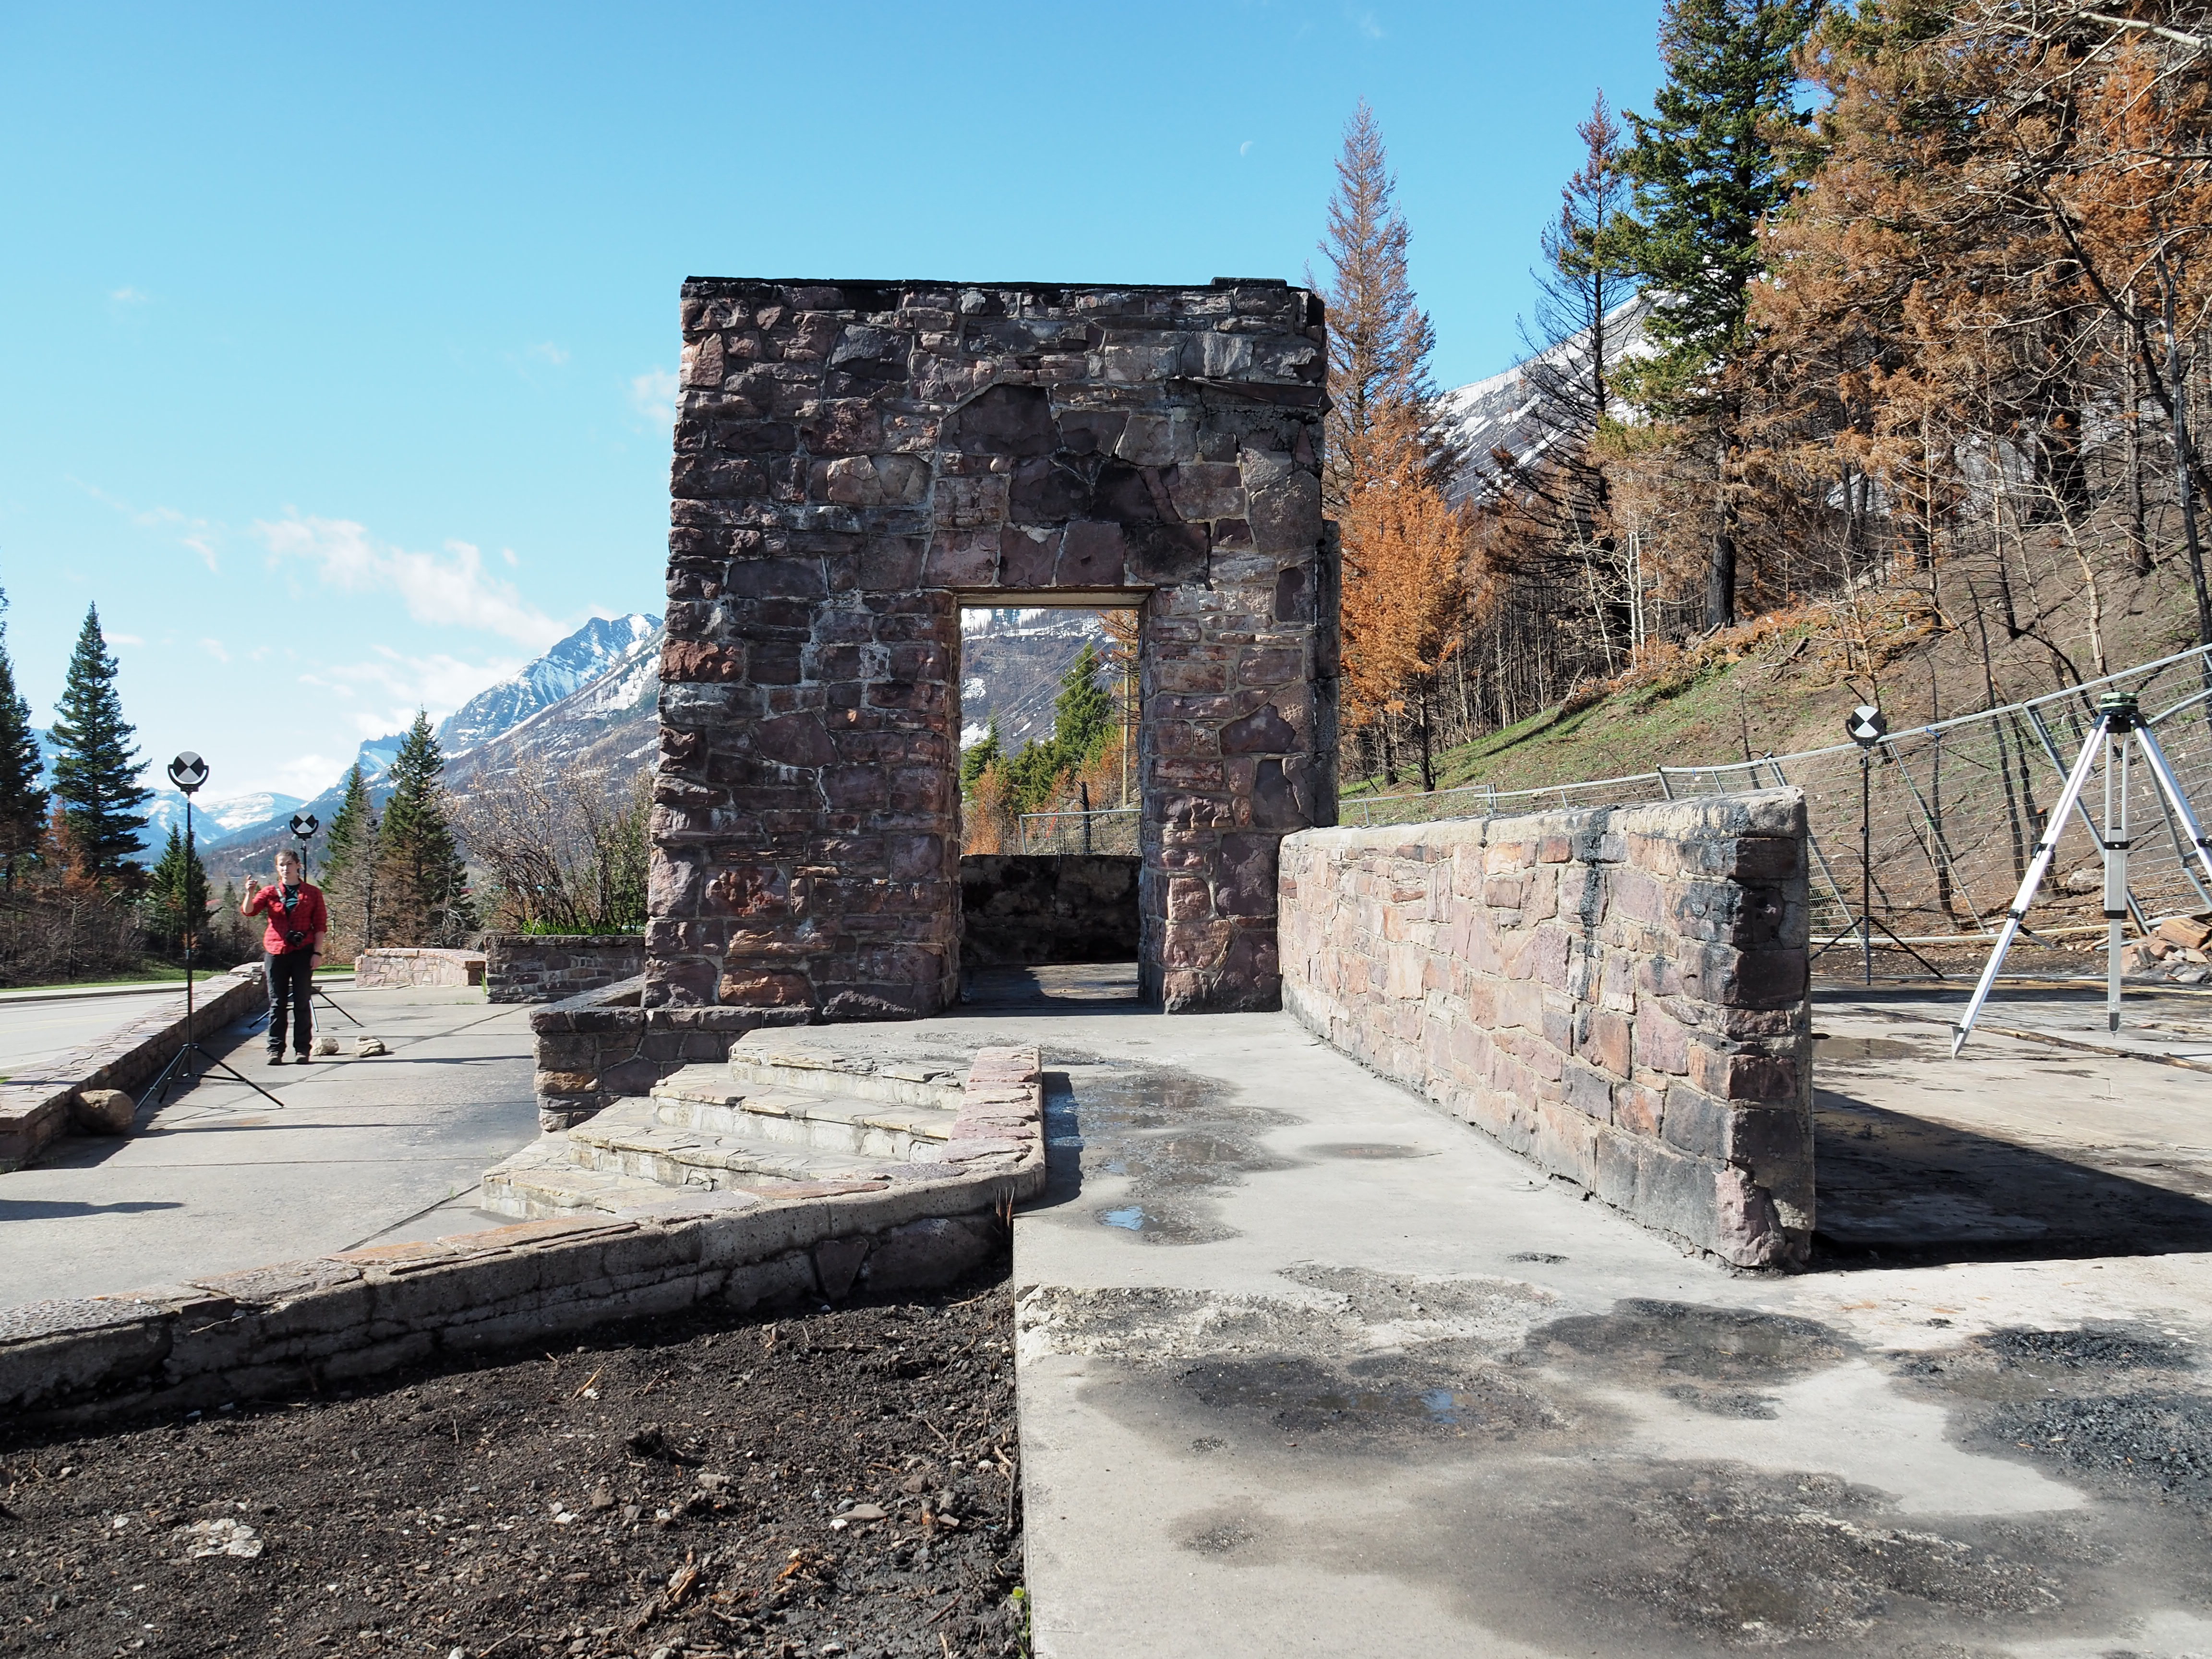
{"points": [[1357, 1149], [1385, 1398], [1176, 1140], [1642, 1340]]}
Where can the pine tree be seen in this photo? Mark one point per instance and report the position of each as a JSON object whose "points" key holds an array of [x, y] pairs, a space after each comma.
{"points": [[422, 880], [1710, 167], [22, 802], [176, 900], [1379, 338], [349, 873], [981, 756], [1381, 427], [1082, 713], [96, 769]]}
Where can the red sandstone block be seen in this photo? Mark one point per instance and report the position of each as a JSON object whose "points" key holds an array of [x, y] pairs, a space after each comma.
{"points": [[1742, 1076], [1663, 1043]]}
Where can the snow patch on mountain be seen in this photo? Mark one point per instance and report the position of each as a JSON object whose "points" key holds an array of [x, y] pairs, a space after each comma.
{"points": [[585, 656]]}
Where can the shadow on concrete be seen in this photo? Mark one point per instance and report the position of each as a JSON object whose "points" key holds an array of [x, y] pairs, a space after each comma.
{"points": [[56, 1209], [1070, 987], [1895, 1188]]}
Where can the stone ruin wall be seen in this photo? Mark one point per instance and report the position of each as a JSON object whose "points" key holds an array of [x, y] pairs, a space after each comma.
{"points": [[1619, 994], [855, 460]]}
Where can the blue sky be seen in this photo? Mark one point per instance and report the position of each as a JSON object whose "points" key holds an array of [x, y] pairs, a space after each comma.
{"points": [[336, 346]]}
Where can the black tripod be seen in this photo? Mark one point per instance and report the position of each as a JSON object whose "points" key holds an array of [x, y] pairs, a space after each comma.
{"points": [[304, 825], [1867, 724], [188, 772]]}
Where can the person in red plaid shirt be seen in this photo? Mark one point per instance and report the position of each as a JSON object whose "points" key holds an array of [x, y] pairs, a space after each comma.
{"points": [[291, 945]]}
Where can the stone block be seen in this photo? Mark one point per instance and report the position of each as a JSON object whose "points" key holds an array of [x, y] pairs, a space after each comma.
{"points": [[103, 1112]]}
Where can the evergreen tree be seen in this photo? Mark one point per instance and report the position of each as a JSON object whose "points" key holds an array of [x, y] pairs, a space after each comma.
{"points": [[1082, 713], [349, 873], [22, 802], [1709, 166], [176, 902], [978, 757], [422, 880], [96, 769]]}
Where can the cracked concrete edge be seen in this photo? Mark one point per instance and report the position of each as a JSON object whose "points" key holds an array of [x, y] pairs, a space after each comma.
{"points": [[36, 1111], [313, 1324]]}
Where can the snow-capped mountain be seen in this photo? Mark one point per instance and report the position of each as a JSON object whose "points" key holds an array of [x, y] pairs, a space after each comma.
{"points": [[214, 819], [574, 663], [1507, 411]]}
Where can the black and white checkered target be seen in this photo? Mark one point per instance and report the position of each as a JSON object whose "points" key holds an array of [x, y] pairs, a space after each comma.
{"points": [[1866, 724]]}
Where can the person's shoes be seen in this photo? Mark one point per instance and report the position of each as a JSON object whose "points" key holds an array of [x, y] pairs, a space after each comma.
{"points": [[300, 1059], [276, 1056]]}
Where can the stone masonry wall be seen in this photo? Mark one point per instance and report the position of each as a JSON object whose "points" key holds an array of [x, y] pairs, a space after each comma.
{"points": [[548, 967], [855, 460], [384, 969], [1018, 909], [1619, 994]]}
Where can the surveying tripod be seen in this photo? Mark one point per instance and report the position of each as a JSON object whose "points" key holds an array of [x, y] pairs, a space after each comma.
{"points": [[2120, 727]]}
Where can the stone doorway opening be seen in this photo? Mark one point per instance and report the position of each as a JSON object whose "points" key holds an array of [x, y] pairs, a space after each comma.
{"points": [[1049, 711]]}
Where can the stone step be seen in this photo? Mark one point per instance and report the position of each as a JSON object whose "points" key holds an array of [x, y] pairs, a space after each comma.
{"points": [[707, 1098], [543, 1180], [630, 1139], [893, 1072]]}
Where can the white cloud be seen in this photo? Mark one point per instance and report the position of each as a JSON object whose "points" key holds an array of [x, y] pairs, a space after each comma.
{"points": [[1364, 21], [654, 395], [130, 296], [215, 648], [382, 694], [450, 588], [203, 535], [507, 553], [547, 351]]}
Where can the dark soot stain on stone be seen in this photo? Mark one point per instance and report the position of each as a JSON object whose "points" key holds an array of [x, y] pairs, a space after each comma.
{"points": [[1641, 1337]]}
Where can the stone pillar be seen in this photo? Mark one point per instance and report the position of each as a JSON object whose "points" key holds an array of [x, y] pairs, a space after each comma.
{"points": [[855, 461]]}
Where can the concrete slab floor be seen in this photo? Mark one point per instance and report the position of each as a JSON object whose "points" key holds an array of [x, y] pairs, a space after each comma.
{"points": [[1306, 1366], [352, 1152]]}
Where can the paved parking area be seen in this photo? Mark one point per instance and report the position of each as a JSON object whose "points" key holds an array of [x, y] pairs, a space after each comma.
{"points": [[218, 1177]]}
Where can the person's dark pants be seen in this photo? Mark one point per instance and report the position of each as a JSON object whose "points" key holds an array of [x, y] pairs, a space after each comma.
{"points": [[291, 981]]}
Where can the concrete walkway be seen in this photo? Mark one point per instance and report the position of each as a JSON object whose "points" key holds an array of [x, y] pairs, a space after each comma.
{"points": [[1308, 1367], [218, 1178]]}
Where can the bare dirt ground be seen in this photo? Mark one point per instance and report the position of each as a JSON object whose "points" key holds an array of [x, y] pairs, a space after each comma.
{"points": [[840, 1482]]}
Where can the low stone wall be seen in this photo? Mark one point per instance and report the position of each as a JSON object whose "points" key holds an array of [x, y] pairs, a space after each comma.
{"points": [[548, 967], [383, 969], [1619, 994], [1022, 909], [36, 1104], [601, 1045]]}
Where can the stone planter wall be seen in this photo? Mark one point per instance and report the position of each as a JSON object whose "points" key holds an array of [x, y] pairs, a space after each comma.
{"points": [[384, 969], [603, 1044], [550, 967], [1619, 994], [1019, 909]]}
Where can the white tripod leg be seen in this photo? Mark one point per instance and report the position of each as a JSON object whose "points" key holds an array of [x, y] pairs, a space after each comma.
{"points": [[2053, 824], [2115, 842], [2155, 757]]}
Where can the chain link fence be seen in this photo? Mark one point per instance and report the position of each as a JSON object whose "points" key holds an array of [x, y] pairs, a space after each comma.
{"points": [[1953, 810]]}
